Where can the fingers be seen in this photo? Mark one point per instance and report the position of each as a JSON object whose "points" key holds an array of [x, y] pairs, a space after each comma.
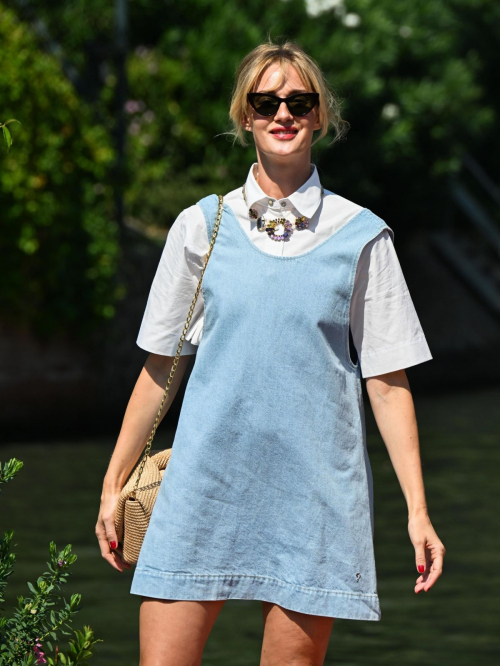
{"points": [[433, 570], [119, 560], [436, 570], [106, 533], [421, 559], [108, 521], [111, 555], [423, 565]]}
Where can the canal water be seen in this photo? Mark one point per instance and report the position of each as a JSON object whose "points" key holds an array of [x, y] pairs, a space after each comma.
{"points": [[56, 497]]}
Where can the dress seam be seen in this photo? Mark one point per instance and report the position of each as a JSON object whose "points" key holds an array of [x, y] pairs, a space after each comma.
{"points": [[361, 213], [165, 574]]}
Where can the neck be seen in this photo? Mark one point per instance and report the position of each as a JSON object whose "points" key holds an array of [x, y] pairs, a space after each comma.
{"points": [[280, 180]]}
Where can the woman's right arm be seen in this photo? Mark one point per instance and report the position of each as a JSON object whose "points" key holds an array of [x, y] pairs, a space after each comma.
{"points": [[140, 415], [169, 301]]}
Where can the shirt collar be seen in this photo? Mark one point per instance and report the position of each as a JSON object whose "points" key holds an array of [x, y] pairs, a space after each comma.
{"points": [[305, 200]]}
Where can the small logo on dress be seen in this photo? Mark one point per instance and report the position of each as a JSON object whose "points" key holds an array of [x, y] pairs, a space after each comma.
{"points": [[358, 576]]}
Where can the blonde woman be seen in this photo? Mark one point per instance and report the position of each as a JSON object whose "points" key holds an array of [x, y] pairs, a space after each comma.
{"points": [[268, 493]]}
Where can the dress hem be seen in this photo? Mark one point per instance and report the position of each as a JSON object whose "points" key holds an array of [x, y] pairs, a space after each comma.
{"points": [[212, 587]]}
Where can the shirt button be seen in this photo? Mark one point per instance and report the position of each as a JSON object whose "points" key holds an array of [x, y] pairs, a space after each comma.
{"points": [[283, 203], [271, 202]]}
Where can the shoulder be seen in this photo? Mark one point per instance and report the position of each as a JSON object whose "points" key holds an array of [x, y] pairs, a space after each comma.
{"points": [[207, 207], [211, 200], [336, 205], [234, 195], [345, 209], [188, 233], [193, 220], [186, 223]]}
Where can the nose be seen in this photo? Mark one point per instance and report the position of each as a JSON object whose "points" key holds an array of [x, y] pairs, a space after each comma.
{"points": [[283, 113]]}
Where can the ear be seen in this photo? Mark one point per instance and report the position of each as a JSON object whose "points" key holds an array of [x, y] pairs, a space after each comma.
{"points": [[246, 124], [317, 123]]}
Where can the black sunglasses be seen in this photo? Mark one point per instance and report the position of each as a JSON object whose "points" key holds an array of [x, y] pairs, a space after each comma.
{"points": [[267, 104]]}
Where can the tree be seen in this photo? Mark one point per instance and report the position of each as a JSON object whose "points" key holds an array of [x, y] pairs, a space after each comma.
{"points": [[59, 245]]}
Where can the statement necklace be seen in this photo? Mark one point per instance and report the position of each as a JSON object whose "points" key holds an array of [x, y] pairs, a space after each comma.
{"points": [[270, 225]]}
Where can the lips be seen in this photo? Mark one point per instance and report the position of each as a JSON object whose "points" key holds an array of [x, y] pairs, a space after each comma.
{"points": [[284, 130]]}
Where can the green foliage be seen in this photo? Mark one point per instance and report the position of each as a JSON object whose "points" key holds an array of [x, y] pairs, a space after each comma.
{"points": [[412, 77], [418, 82], [24, 637], [59, 245], [6, 131]]}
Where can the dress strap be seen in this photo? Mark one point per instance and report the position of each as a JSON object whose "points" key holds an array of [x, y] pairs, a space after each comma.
{"points": [[383, 224], [209, 205]]}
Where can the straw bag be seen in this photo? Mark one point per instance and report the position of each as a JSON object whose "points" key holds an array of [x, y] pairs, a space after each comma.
{"points": [[135, 503]]}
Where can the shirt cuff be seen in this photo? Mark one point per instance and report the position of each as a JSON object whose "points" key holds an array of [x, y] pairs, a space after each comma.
{"points": [[165, 348], [393, 358]]}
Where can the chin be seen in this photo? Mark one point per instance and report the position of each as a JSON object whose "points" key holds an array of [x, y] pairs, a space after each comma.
{"points": [[284, 148]]}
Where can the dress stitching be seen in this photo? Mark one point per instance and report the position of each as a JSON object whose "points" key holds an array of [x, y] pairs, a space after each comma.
{"points": [[230, 211], [161, 574], [347, 316]]}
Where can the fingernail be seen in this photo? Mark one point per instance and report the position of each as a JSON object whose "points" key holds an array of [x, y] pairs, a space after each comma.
{"points": [[113, 544], [421, 568]]}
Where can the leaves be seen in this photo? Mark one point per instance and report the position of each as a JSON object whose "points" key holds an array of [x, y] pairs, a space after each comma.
{"points": [[418, 82], [24, 635], [6, 133], [59, 245]]}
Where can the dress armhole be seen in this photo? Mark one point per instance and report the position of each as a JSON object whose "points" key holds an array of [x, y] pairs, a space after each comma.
{"points": [[352, 348]]}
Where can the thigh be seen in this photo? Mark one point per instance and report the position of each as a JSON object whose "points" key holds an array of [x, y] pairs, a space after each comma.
{"points": [[174, 632], [292, 638]]}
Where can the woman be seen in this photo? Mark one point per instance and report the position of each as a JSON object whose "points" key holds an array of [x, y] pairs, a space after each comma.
{"points": [[268, 492]]}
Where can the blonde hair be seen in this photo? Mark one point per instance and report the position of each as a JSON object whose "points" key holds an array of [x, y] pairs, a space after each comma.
{"points": [[289, 52]]}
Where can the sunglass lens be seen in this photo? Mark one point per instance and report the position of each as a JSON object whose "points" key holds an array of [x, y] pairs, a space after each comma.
{"points": [[266, 106], [300, 106]]}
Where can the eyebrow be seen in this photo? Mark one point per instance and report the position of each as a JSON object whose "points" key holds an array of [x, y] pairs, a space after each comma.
{"points": [[292, 92]]}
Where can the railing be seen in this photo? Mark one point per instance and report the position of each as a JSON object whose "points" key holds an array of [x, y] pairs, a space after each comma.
{"points": [[473, 250]]}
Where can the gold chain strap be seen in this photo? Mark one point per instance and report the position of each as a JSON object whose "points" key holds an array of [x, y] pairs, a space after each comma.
{"points": [[179, 347]]}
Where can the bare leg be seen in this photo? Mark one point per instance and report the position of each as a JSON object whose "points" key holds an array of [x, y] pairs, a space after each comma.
{"points": [[294, 639], [174, 632]]}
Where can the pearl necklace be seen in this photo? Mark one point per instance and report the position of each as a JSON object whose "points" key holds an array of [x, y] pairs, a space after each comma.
{"points": [[270, 225]]}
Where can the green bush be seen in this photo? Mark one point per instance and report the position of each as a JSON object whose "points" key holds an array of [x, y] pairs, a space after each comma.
{"points": [[418, 82], [59, 244], [24, 637]]}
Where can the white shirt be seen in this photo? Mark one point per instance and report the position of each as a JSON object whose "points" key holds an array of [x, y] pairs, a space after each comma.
{"points": [[385, 327]]}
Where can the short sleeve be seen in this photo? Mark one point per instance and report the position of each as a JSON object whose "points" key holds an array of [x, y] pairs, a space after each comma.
{"points": [[173, 289], [385, 326]]}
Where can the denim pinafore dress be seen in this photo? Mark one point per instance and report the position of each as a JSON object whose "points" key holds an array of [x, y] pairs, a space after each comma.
{"points": [[268, 493]]}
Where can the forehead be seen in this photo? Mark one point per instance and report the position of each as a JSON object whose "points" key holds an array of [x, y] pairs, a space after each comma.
{"points": [[274, 79]]}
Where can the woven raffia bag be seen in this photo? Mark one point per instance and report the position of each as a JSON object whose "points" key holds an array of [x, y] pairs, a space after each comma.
{"points": [[135, 502]]}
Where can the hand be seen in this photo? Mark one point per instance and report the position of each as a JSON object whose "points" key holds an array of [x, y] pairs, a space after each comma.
{"points": [[429, 551], [106, 532]]}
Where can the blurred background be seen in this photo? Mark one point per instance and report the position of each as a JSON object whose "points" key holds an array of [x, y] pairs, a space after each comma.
{"points": [[122, 108]]}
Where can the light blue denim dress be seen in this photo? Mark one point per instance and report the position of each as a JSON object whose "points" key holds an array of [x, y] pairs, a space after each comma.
{"points": [[268, 493]]}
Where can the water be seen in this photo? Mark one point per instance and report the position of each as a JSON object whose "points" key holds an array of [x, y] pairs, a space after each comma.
{"points": [[56, 497]]}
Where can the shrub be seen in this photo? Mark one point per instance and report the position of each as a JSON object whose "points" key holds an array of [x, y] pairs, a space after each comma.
{"points": [[24, 637]]}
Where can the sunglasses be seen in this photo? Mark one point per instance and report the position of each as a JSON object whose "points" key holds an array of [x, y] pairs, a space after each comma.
{"points": [[267, 104]]}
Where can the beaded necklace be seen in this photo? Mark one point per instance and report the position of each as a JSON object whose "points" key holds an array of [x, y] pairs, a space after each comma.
{"points": [[270, 225]]}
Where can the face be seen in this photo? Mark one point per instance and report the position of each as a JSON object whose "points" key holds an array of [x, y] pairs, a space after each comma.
{"points": [[265, 128]]}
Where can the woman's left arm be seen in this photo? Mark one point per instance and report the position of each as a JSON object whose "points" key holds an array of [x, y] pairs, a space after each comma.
{"points": [[392, 404]]}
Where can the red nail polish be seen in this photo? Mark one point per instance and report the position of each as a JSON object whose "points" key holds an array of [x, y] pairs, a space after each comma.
{"points": [[421, 568], [113, 544]]}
